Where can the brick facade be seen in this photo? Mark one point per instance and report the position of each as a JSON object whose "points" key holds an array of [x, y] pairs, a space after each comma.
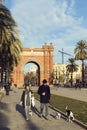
{"points": [[42, 57]]}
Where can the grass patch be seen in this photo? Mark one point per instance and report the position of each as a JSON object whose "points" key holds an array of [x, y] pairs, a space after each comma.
{"points": [[79, 108]]}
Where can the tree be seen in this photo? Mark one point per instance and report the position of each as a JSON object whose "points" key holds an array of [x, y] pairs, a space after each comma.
{"points": [[72, 67], [10, 45], [81, 54], [2, 1], [31, 78]]}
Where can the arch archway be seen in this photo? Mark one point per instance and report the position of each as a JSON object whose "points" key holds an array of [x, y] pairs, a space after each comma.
{"points": [[43, 57], [32, 71]]}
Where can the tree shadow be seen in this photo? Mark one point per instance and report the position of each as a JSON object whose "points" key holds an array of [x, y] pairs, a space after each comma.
{"points": [[4, 121], [4, 106], [32, 126], [4, 128]]}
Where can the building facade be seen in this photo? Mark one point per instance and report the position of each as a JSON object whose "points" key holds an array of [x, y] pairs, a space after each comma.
{"points": [[61, 76]]}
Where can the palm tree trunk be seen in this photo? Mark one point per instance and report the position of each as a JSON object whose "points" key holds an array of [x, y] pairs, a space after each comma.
{"points": [[2, 76], [83, 72], [2, 70], [71, 79]]}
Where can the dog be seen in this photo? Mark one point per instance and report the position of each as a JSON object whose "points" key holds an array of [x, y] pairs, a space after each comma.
{"points": [[58, 115], [69, 114]]}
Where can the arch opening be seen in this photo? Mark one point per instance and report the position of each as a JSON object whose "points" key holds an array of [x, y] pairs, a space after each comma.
{"points": [[32, 73]]}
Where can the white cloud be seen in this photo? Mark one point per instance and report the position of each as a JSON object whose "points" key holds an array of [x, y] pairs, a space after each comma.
{"points": [[40, 15], [48, 20]]}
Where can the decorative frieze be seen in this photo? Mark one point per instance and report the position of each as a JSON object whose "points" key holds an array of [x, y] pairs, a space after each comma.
{"points": [[32, 53]]}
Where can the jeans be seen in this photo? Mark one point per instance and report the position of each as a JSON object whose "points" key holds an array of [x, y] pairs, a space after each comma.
{"points": [[46, 108], [27, 110]]}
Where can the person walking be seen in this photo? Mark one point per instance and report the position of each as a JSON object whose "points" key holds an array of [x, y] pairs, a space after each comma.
{"points": [[26, 101], [44, 92], [7, 88]]}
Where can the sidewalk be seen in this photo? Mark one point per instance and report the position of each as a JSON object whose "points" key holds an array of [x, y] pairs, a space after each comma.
{"points": [[79, 94], [2, 93], [11, 116]]}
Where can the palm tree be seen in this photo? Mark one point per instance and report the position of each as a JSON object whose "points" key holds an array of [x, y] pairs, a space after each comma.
{"points": [[2, 1], [72, 67], [81, 54], [10, 45]]}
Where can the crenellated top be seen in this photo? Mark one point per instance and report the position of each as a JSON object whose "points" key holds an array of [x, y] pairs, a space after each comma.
{"points": [[46, 46], [46, 49]]}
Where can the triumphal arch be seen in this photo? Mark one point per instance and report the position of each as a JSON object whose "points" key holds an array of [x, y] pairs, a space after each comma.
{"points": [[42, 57]]}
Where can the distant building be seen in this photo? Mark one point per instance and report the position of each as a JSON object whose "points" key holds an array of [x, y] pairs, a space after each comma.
{"points": [[61, 75], [33, 68]]}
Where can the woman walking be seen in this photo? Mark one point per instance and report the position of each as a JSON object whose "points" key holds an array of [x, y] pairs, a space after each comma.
{"points": [[26, 100]]}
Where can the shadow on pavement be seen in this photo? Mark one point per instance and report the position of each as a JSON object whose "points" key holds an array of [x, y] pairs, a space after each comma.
{"points": [[4, 106], [30, 124], [4, 128], [4, 121], [36, 111], [20, 109]]}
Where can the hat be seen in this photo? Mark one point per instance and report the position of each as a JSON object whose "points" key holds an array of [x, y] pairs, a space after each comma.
{"points": [[44, 81]]}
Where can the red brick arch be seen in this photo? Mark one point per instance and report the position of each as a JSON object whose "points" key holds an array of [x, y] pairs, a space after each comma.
{"points": [[43, 57]]}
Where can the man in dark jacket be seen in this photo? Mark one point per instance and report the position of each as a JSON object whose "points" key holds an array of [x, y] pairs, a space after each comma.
{"points": [[44, 92]]}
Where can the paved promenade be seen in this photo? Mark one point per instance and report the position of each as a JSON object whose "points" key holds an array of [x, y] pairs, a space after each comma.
{"points": [[12, 116], [79, 94]]}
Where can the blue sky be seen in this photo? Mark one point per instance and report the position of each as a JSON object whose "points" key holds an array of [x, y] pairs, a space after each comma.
{"points": [[62, 22]]}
